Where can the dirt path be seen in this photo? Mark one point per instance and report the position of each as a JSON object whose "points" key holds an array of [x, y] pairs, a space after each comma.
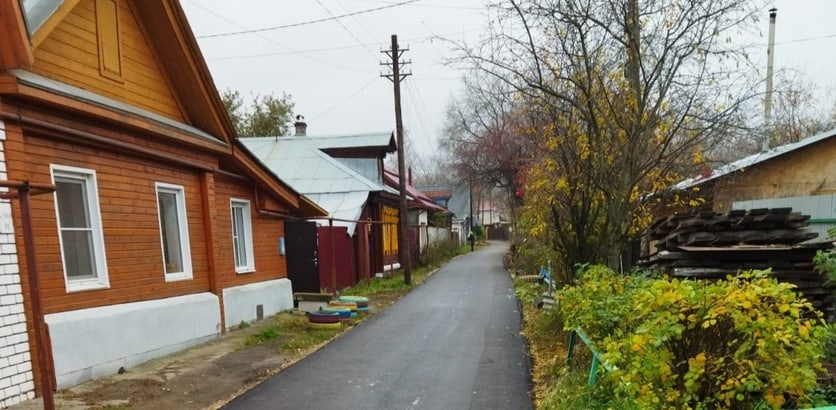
{"points": [[206, 376]]}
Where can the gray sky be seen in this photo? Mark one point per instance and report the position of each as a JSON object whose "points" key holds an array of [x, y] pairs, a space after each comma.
{"points": [[331, 68]]}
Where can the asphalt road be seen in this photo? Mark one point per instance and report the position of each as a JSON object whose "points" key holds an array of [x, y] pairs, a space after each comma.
{"points": [[451, 343]]}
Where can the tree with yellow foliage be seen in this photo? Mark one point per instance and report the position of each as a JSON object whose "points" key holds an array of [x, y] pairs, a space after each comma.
{"points": [[623, 97]]}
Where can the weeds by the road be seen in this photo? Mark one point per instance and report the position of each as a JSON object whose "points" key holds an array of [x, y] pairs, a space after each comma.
{"points": [[269, 333], [556, 384], [293, 332]]}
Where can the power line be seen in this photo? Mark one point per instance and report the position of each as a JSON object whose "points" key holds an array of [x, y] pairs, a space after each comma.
{"points": [[343, 47], [304, 23], [346, 99], [345, 28], [360, 21], [802, 40], [265, 38]]}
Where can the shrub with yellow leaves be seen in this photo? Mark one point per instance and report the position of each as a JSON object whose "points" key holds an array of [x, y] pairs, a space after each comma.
{"points": [[741, 343]]}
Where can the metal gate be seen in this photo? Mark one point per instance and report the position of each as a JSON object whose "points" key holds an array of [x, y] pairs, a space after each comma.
{"points": [[302, 261]]}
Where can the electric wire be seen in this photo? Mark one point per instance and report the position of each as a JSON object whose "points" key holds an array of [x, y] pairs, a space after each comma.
{"points": [[419, 108], [346, 99], [423, 39], [368, 28], [265, 38], [304, 23], [346, 28]]}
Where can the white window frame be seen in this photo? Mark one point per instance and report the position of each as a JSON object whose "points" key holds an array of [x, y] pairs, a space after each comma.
{"points": [[88, 178], [246, 235], [183, 230]]}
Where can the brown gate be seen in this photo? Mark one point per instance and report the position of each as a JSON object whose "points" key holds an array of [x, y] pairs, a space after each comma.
{"points": [[302, 260]]}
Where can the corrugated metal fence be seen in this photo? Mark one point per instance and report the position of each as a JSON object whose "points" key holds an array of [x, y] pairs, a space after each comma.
{"points": [[821, 208]]}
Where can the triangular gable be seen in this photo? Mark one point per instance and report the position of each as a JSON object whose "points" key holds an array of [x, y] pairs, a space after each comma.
{"points": [[140, 52], [99, 45], [753, 160]]}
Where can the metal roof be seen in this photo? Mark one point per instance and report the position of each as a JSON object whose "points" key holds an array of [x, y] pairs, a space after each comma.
{"points": [[328, 182], [48, 84], [417, 198], [755, 159], [381, 140], [344, 207], [36, 12]]}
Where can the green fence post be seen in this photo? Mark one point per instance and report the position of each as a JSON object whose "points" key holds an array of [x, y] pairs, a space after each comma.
{"points": [[593, 371], [571, 347]]}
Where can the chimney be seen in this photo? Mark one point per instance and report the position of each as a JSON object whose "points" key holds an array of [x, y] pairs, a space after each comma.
{"points": [[409, 175], [770, 57], [301, 126]]}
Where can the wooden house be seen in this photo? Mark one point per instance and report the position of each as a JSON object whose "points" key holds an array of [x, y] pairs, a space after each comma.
{"points": [[428, 221], [343, 174], [800, 169], [163, 231]]}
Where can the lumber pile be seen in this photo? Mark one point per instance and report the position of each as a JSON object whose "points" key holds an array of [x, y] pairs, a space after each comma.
{"points": [[707, 245]]}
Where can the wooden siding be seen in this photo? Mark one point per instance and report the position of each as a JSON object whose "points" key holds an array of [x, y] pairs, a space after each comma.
{"points": [[806, 171], [71, 54], [266, 232], [127, 200]]}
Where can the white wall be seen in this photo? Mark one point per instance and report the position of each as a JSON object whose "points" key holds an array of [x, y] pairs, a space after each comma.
{"points": [[240, 302], [16, 381], [96, 342]]}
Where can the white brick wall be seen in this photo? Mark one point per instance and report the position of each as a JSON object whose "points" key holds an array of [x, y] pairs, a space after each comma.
{"points": [[16, 382]]}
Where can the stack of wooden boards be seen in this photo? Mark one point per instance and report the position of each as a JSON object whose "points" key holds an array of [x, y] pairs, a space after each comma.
{"points": [[707, 245]]}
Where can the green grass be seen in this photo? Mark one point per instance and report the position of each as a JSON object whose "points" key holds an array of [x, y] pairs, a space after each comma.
{"points": [[435, 257], [306, 339], [264, 335]]}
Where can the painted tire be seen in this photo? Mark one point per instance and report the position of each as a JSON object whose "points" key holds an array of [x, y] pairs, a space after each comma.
{"points": [[361, 301], [324, 317], [313, 325], [345, 313], [356, 299], [348, 305], [364, 309]]}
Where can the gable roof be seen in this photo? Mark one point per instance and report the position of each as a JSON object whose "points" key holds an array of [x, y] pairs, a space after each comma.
{"points": [[383, 141], [164, 24], [753, 160], [334, 186], [419, 199], [458, 198]]}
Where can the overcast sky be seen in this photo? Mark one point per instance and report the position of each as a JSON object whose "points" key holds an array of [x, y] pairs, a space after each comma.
{"points": [[332, 68]]}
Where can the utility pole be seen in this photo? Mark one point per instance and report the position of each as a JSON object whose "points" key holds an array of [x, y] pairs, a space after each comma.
{"points": [[396, 77]]}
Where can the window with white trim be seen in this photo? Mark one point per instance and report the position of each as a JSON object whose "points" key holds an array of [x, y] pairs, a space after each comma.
{"points": [[79, 228], [174, 231], [242, 236]]}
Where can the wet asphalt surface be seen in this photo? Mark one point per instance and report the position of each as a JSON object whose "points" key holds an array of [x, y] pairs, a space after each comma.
{"points": [[451, 343]]}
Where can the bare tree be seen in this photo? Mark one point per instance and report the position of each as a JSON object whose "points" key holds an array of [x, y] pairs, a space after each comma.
{"points": [[484, 134], [798, 111]]}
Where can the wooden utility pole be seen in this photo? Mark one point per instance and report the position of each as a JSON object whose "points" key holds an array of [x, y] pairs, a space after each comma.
{"points": [[403, 228]]}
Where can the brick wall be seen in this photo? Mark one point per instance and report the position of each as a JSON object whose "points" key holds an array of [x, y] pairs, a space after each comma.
{"points": [[16, 382]]}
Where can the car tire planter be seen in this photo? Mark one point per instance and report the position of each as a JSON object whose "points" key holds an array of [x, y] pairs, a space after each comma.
{"points": [[324, 318], [361, 301], [337, 325], [345, 305], [345, 313]]}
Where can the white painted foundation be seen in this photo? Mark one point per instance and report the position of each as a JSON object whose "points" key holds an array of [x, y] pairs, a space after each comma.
{"points": [[96, 342], [240, 302]]}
